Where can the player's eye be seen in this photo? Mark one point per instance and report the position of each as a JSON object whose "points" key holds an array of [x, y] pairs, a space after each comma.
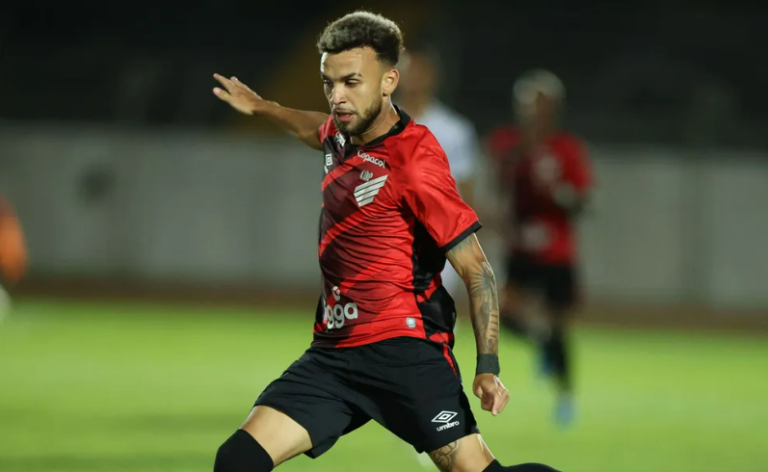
{"points": [[352, 83]]}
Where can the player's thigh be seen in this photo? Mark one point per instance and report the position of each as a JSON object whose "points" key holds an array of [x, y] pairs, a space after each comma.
{"points": [[279, 435], [413, 388], [307, 409], [468, 454]]}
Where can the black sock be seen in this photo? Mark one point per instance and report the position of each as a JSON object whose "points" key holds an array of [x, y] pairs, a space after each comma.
{"points": [[556, 355], [242, 453], [514, 324], [530, 467]]}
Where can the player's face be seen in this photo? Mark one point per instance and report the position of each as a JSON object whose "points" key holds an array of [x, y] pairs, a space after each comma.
{"points": [[353, 83], [539, 113]]}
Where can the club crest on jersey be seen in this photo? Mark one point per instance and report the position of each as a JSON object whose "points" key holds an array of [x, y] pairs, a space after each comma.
{"points": [[368, 158], [328, 162], [365, 193], [366, 175]]}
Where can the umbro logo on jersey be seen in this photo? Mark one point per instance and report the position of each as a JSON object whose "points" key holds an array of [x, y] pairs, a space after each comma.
{"points": [[366, 175], [368, 158], [365, 193]]}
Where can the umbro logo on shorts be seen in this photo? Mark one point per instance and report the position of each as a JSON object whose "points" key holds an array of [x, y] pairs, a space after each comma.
{"points": [[445, 417]]}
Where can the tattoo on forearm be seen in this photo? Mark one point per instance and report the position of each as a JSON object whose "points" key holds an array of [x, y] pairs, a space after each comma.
{"points": [[483, 296], [444, 458], [484, 308]]}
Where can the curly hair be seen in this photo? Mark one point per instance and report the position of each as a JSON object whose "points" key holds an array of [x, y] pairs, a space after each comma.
{"points": [[361, 29]]}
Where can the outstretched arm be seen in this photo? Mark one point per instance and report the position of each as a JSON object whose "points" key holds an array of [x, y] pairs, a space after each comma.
{"points": [[471, 264], [301, 124]]}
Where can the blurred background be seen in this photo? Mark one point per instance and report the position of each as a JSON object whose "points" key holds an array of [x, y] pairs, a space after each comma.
{"points": [[172, 243]]}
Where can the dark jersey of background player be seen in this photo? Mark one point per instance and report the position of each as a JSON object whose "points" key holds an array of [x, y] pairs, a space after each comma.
{"points": [[390, 212], [541, 221], [544, 178]]}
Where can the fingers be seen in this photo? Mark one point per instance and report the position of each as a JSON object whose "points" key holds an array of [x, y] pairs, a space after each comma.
{"points": [[493, 396], [499, 401], [222, 94], [228, 84]]}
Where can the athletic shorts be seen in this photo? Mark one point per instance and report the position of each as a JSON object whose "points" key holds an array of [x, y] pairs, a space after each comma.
{"points": [[410, 386], [555, 282]]}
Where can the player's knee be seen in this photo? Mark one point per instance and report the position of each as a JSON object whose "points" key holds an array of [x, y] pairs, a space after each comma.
{"points": [[242, 453]]}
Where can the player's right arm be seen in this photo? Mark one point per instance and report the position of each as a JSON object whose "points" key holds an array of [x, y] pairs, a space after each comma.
{"points": [[431, 194], [301, 124]]}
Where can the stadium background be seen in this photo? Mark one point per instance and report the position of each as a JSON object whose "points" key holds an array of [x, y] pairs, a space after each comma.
{"points": [[172, 243]]}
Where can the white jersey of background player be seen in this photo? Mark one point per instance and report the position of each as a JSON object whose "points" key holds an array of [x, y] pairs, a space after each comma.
{"points": [[455, 133]]}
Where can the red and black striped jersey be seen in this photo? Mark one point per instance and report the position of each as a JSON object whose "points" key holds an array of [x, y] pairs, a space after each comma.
{"points": [[542, 229], [390, 213]]}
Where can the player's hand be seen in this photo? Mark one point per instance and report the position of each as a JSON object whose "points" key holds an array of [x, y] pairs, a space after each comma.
{"points": [[238, 95], [491, 392]]}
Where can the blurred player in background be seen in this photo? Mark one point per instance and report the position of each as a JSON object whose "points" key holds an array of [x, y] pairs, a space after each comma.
{"points": [[391, 215], [13, 253], [416, 94], [544, 180]]}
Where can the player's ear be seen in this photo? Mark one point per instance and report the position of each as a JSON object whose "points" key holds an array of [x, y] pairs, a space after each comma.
{"points": [[389, 82]]}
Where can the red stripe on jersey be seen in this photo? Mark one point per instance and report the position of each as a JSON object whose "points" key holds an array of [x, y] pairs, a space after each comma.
{"points": [[373, 269], [445, 338], [391, 330], [335, 230], [333, 175], [342, 169], [426, 294]]}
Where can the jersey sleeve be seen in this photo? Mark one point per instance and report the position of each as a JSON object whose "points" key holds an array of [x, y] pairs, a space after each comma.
{"points": [[430, 192]]}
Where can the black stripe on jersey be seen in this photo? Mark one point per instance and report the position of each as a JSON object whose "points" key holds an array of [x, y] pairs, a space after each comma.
{"points": [[427, 258], [474, 228], [439, 311]]}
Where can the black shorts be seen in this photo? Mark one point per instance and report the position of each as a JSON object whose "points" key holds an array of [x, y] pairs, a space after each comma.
{"points": [[555, 282], [410, 386]]}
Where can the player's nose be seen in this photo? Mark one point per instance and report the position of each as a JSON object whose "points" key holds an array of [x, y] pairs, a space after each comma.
{"points": [[337, 96]]}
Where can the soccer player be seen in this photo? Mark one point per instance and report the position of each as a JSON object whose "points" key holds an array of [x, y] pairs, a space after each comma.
{"points": [[382, 335], [545, 178], [454, 133]]}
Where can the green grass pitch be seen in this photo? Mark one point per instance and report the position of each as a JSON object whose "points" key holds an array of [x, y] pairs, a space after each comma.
{"points": [[115, 387]]}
